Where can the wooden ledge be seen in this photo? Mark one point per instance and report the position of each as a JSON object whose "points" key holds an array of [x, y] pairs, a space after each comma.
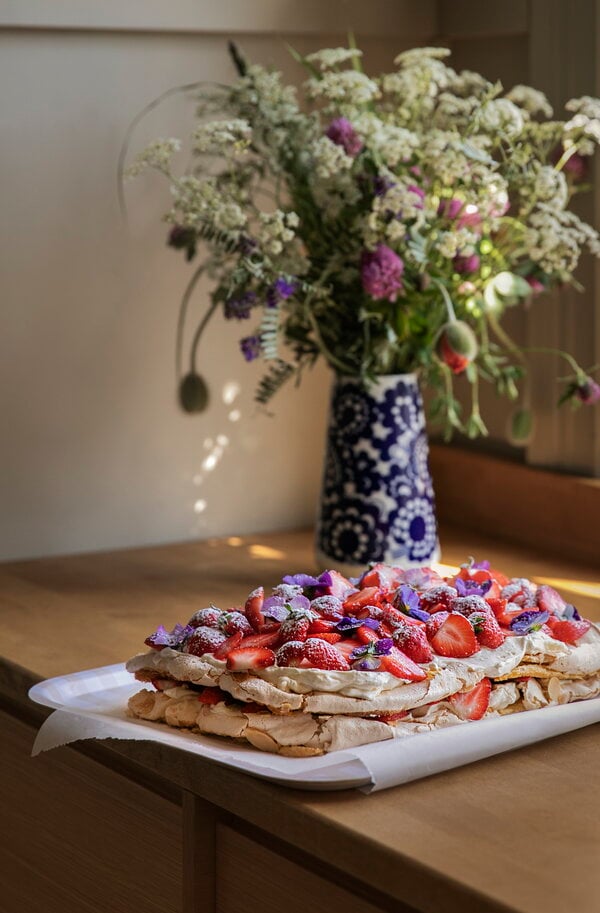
{"points": [[547, 510]]}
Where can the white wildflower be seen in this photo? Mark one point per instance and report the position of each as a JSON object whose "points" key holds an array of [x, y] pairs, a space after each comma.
{"points": [[418, 55], [348, 87], [329, 159], [328, 58], [550, 186], [530, 100], [452, 243], [222, 137], [467, 83], [276, 230], [500, 116], [157, 155], [554, 239]]}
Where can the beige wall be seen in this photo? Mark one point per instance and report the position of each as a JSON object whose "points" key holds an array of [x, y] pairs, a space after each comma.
{"points": [[95, 453]]}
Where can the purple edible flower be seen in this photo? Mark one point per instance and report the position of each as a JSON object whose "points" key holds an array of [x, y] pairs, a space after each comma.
{"points": [[280, 608], [250, 346], [351, 623], [471, 587], [381, 273], [571, 613], [528, 621], [481, 565], [341, 132], [239, 308], [408, 601], [174, 639], [367, 657], [307, 580]]}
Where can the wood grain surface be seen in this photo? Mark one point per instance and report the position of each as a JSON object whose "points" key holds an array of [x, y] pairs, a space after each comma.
{"points": [[488, 838]]}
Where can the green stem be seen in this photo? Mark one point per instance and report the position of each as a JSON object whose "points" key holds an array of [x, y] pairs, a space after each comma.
{"points": [[504, 338], [565, 157], [447, 299], [542, 350]]}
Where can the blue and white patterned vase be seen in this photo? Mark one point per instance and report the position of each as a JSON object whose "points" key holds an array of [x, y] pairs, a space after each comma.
{"points": [[377, 501]]}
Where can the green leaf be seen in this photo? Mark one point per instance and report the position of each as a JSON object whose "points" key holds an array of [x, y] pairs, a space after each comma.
{"points": [[478, 155]]}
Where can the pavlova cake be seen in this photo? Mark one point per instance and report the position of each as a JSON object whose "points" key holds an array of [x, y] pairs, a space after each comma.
{"points": [[325, 663]]}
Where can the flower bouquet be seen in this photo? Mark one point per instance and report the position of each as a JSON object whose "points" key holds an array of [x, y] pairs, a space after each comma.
{"points": [[385, 224]]}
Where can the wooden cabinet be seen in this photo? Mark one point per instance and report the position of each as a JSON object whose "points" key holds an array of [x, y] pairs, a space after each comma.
{"points": [[79, 838]]}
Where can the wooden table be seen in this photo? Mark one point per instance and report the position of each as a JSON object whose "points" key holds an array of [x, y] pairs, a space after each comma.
{"points": [[126, 827]]}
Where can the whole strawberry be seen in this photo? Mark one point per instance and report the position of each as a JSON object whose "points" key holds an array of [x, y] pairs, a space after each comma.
{"points": [[294, 628], [321, 655], [487, 630], [441, 595], [234, 622], [466, 605], [204, 640], [209, 617], [412, 640]]}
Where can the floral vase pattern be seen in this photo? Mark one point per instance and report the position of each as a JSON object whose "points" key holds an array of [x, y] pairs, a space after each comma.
{"points": [[377, 501]]}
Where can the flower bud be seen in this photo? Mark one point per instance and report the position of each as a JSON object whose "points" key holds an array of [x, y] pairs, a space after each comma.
{"points": [[465, 265], [457, 345], [588, 391]]}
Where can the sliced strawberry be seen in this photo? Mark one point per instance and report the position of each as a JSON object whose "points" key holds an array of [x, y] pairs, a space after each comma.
{"points": [[331, 637], [295, 628], [548, 600], [161, 684], [321, 655], [347, 645], [369, 596], [438, 598], [413, 641], [569, 630], [204, 640], [366, 635], [253, 608], [390, 717], [228, 645], [340, 585], [261, 640], [455, 637], [397, 663], [321, 626], [212, 696], [472, 705], [245, 659], [435, 623], [291, 654], [504, 612], [380, 575]]}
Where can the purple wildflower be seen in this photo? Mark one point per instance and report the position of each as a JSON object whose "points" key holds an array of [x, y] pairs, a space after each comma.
{"points": [[381, 273], [468, 264], [528, 621], [419, 192], [341, 132], [281, 289], [239, 308], [174, 639], [250, 346], [247, 246]]}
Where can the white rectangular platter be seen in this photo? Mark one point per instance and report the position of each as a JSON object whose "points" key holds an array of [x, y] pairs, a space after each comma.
{"points": [[92, 705]]}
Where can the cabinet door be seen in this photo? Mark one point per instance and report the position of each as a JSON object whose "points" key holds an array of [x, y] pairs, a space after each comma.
{"points": [[252, 878], [79, 838]]}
